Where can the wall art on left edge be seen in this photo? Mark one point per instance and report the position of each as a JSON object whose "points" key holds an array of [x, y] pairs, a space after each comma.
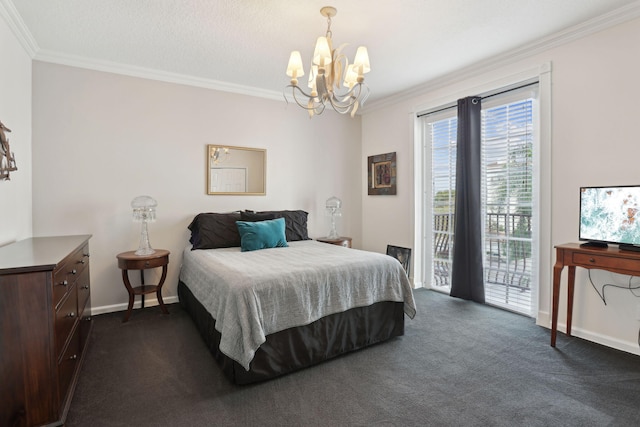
{"points": [[381, 173], [7, 158]]}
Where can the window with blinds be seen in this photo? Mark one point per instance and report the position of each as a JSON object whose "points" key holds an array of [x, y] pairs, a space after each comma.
{"points": [[507, 149], [443, 135], [508, 180]]}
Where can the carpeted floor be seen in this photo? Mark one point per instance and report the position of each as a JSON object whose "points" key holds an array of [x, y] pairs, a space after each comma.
{"points": [[458, 364]]}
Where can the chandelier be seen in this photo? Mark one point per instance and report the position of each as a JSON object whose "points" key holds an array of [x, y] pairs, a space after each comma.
{"points": [[219, 155], [332, 80]]}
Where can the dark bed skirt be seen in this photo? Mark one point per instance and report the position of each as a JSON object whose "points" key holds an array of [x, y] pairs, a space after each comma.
{"points": [[297, 348]]}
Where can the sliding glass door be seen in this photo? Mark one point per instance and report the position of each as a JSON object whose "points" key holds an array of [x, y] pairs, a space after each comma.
{"points": [[508, 181]]}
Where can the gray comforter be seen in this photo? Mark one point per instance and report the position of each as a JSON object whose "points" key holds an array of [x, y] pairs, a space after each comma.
{"points": [[254, 294]]}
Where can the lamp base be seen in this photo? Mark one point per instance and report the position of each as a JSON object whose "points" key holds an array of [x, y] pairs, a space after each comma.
{"points": [[144, 248], [145, 251]]}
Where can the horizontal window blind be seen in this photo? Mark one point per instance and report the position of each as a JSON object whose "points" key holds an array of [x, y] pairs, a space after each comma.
{"points": [[507, 186], [507, 148]]}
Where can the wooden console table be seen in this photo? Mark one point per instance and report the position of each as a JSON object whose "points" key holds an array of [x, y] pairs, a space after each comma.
{"points": [[573, 255]]}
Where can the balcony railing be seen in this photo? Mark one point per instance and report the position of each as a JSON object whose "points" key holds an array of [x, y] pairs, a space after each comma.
{"points": [[507, 247]]}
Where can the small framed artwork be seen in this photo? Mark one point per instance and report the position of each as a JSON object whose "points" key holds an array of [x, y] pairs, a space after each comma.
{"points": [[381, 175], [401, 254]]}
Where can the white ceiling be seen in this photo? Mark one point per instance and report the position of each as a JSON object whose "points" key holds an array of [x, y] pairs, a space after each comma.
{"points": [[245, 44]]}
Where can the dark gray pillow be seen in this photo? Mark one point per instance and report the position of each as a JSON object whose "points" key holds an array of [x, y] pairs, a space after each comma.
{"points": [[215, 230], [296, 222]]}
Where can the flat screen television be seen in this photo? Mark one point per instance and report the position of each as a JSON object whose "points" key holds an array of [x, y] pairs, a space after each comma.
{"points": [[610, 215]]}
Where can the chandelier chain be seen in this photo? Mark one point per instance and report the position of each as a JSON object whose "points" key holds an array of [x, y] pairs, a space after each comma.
{"points": [[329, 34]]}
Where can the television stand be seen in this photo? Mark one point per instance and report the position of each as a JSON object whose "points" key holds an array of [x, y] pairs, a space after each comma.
{"points": [[573, 255]]}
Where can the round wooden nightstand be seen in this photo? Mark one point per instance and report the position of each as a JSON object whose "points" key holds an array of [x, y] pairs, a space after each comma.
{"points": [[340, 241], [130, 261]]}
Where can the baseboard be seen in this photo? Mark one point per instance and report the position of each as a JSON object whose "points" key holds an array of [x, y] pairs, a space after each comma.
{"points": [[148, 302], [627, 346], [544, 320], [418, 285]]}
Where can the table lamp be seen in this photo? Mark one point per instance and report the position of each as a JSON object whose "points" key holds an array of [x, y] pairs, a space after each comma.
{"points": [[144, 211], [333, 206]]}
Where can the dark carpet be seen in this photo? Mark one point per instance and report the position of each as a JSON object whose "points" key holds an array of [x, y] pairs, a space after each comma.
{"points": [[458, 364]]}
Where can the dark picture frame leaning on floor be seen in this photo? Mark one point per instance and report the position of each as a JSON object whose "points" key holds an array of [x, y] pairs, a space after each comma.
{"points": [[401, 254]]}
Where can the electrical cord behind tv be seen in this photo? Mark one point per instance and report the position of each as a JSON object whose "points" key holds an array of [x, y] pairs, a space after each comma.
{"points": [[630, 288]]}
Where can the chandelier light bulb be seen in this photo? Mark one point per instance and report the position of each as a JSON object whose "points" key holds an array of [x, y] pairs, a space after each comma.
{"points": [[295, 68], [322, 53], [361, 61]]}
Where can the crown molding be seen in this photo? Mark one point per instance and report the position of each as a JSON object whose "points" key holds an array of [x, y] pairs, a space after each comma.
{"points": [[153, 74], [22, 33], [608, 20], [13, 19], [592, 26]]}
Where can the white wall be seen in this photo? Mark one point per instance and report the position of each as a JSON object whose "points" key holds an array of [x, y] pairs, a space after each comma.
{"points": [[100, 139], [15, 113], [594, 115]]}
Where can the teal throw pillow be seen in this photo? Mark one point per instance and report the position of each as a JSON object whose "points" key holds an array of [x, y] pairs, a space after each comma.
{"points": [[262, 234]]}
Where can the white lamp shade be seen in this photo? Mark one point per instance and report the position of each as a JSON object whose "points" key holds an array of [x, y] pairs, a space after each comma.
{"points": [[144, 209], [322, 53], [361, 61], [350, 77], [333, 203], [295, 68]]}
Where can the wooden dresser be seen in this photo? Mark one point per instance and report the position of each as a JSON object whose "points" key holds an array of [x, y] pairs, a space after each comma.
{"points": [[45, 320]]}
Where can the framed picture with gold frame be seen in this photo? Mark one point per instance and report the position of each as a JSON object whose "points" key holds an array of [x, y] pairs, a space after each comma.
{"points": [[381, 174]]}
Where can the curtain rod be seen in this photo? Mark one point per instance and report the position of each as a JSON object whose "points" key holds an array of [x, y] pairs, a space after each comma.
{"points": [[509, 90], [455, 105]]}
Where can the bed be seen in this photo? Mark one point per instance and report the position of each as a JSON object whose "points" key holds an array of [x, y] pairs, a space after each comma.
{"points": [[268, 312]]}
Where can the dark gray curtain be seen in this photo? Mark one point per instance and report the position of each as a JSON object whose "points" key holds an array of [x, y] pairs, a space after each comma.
{"points": [[467, 274]]}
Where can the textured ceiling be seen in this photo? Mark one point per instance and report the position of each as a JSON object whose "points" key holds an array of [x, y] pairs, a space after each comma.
{"points": [[247, 42]]}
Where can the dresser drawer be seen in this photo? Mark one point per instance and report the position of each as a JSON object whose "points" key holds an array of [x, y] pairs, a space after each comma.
{"points": [[66, 317], [605, 262], [68, 272], [85, 327], [77, 263], [80, 259], [61, 285], [130, 264], [84, 290], [67, 363]]}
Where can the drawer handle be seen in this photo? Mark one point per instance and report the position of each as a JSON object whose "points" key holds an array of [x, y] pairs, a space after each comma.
{"points": [[591, 260], [71, 315], [88, 319], [85, 287], [82, 261], [146, 264], [74, 357], [74, 271], [63, 283], [87, 255]]}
